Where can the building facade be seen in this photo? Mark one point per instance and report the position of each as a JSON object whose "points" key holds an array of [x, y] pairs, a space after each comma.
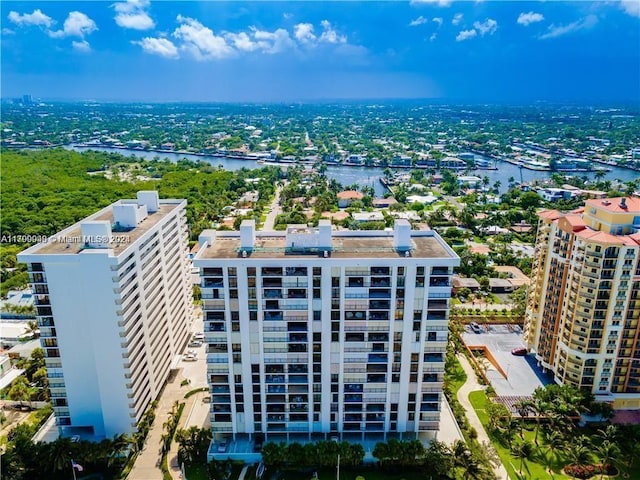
{"points": [[583, 305], [312, 332], [113, 300]]}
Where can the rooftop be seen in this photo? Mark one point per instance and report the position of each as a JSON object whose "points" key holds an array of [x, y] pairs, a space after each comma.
{"points": [[350, 194], [271, 245], [301, 241], [615, 204], [72, 240]]}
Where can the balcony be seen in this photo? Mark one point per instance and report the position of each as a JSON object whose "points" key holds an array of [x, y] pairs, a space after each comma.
{"points": [[271, 271], [295, 272]]}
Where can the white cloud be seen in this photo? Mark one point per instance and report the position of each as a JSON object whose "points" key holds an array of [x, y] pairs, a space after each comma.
{"points": [[438, 20], [304, 33], [158, 46], [329, 35], [489, 26], [555, 31], [82, 46], [632, 7], [287, 15], [36, 18], [77, 24], [132, 14], [439, 3], [457, 19], [273, 42], [200, 41], [527, 19], [466, 35], [418, 21], [8, 31], [241, 41], [433, 37]]}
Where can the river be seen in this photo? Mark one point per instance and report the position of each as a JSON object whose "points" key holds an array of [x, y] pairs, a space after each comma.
{"points": [[366, 175]]}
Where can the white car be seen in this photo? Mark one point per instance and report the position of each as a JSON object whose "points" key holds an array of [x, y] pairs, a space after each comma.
{"points": [[190, 357]]}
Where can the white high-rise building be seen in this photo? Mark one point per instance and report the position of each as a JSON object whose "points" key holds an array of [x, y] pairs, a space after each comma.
{"points": [[313, 333], [113, 300]]}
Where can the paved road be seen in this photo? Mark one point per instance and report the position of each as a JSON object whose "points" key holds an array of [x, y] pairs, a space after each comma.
{"points": [[274, 211], [472, 385]]}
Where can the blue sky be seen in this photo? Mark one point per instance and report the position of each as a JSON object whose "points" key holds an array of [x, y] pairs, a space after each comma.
{"points": [[477, 51]]}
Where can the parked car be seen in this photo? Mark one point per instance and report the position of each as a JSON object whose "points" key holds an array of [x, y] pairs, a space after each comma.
{"points": [[475, 327], [195, 343], [222, 446], [189, 357], [519, 352]]}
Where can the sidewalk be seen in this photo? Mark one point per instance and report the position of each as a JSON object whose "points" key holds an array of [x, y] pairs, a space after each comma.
{"points": [[472, 385], [147, 466], [172, 457]]}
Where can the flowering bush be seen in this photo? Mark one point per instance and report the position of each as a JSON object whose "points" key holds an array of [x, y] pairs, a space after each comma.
{"points": [[581, 471], [588, 471]]}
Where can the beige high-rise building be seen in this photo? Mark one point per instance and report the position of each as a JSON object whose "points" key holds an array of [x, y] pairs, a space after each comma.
{"points": [[315, 333], [583, 306]]}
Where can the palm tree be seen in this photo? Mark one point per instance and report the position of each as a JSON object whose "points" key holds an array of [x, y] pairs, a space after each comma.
{"points": [[578, 453], [555, 441], [609, 434], [609, 453], [540, 408], [545, 459], [523, 407], [524, 451], [59, 456], [120, 446]]}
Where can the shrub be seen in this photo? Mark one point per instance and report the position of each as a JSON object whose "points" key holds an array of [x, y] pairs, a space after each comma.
{"points": [[581, 471]]}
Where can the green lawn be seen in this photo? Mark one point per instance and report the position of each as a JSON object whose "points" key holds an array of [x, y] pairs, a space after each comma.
{"points": [[457, 377], [536, 470]]}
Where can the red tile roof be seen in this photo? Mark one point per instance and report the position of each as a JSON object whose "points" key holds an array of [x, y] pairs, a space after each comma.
{"points": [[613, 204], [350, 195]]}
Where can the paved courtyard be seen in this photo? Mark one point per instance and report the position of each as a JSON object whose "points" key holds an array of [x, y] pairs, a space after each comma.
{"points": [[523, 376]]}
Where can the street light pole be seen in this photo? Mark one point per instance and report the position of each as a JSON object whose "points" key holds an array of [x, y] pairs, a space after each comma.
{"points": [[338, 468]]}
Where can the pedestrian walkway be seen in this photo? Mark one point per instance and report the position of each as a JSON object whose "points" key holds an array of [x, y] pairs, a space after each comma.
{"points": [[472, 385], [147, 466], [172, 457]]}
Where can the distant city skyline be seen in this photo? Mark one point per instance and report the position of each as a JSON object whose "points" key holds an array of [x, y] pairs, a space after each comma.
{"points": [[315, 51]]}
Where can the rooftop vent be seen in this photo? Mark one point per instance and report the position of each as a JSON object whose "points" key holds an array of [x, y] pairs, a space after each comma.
{"points": [[623, 203], [606, 202]]}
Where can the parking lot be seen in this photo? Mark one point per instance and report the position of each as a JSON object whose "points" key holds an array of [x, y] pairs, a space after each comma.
{"points": [[522, 375]]}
